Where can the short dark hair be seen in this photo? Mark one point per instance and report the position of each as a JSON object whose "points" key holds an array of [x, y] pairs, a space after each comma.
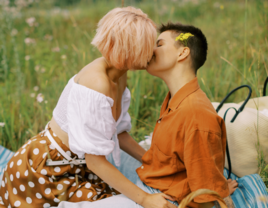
{"points": [[197, 43]]}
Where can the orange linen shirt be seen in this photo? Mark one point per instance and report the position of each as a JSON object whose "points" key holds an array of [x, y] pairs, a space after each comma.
{"points": [[188, 147]]}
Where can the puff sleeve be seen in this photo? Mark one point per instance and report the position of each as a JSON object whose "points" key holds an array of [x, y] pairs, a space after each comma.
{"points": [[90, 122], [125, 122]]}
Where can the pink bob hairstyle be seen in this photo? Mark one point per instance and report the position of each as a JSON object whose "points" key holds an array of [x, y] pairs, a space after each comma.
{"points": [[126, 37]]}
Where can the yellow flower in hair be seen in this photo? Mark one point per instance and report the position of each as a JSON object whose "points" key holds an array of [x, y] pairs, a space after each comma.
{"points": [[183, 37]]}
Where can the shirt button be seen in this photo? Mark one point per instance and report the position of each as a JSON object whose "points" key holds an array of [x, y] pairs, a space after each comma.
{"points": [[142, 167]]}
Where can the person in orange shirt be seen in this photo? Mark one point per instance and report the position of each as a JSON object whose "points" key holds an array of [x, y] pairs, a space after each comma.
{"points": [[189, 140]]}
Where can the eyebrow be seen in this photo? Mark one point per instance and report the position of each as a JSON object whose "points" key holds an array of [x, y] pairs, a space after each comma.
{"points": [[158, 41]]}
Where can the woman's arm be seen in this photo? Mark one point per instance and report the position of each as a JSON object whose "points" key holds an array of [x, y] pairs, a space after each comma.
{"points": [[108, 173], [130, 146]]}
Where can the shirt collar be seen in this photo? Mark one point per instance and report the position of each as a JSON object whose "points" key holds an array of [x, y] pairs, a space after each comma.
{"points": [[182, 93]]}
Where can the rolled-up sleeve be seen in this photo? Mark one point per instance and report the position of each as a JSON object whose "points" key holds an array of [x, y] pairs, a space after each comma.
{"points": [[90, 122], [204, 161], [125, 122]]}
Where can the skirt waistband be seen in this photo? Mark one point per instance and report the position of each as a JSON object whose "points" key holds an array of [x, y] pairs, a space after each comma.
{"points": [[67, 160]]}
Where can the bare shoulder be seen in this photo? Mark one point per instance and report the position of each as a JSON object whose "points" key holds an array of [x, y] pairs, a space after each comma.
{"points": [[95, 80]]}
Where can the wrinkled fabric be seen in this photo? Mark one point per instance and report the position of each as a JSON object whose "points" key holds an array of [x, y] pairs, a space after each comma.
{"points": [[86, 116], [188, 147], [28, 182]]}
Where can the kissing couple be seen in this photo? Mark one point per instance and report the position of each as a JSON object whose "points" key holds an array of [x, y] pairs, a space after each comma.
{"points": [[77, 162]]}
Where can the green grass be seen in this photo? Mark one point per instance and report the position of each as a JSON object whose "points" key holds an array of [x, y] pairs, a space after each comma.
{"points": [[238, 54]]}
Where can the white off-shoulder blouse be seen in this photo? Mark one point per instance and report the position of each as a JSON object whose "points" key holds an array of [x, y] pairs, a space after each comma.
{"points": [[86, 116]]}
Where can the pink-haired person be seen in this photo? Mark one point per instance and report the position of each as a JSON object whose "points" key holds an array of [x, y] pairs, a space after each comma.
{"points": [[66, 161]]}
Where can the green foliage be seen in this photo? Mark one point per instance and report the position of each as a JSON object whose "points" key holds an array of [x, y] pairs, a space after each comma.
{"points": [[42, 46]]}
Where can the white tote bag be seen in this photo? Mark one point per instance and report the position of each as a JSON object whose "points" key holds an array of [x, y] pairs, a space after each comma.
{"points": [[247, 135]]}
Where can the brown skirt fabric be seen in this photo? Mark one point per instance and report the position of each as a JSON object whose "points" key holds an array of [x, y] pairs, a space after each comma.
{"points": [[28, 182]]}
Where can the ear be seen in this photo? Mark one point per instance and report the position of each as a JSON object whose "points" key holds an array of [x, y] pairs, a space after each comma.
{"points": [[183, 53]]}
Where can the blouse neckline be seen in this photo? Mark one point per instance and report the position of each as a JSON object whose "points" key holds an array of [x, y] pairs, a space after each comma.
{"points": [[109, 98]]}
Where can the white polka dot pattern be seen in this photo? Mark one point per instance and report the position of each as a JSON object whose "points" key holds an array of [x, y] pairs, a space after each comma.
{"points": [[77, 170], [36, 151], [66, 182], [57, 169], [6, 195], [18, 175], [17, 203], [29, 200], [59, 187], [90, 176], [19, 162], [51, 147], [88, 185], [38, 196], [89, 195], [31, 184], [79, 194], [43, 172], [56, 200], [41, 180], [47, 191], [46, 205], [22, 187], [30, 162], [15, 191]]}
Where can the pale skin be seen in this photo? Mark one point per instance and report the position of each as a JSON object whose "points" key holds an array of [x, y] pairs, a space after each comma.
{"points": [[172, 63], [102, 77]]}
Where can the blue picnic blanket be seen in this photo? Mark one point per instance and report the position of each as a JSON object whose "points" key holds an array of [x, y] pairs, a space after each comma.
{"points": [[248, 194], [5, 156]]}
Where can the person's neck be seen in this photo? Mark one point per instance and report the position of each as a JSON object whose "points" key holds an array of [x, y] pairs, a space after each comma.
{"points": [[113, 73], [177, 77]]}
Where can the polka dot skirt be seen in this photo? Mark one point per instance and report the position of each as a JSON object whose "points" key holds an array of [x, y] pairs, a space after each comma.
{"points": [[28, 182]]}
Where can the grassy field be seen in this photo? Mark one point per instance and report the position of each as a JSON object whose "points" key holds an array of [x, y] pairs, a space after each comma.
{"points": [[44, 43]]}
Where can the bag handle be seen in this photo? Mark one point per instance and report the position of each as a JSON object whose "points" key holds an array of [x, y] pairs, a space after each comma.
{"points": [[241, 107], [194, 194], [233, 119], [227, 146], [265, 86]]}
